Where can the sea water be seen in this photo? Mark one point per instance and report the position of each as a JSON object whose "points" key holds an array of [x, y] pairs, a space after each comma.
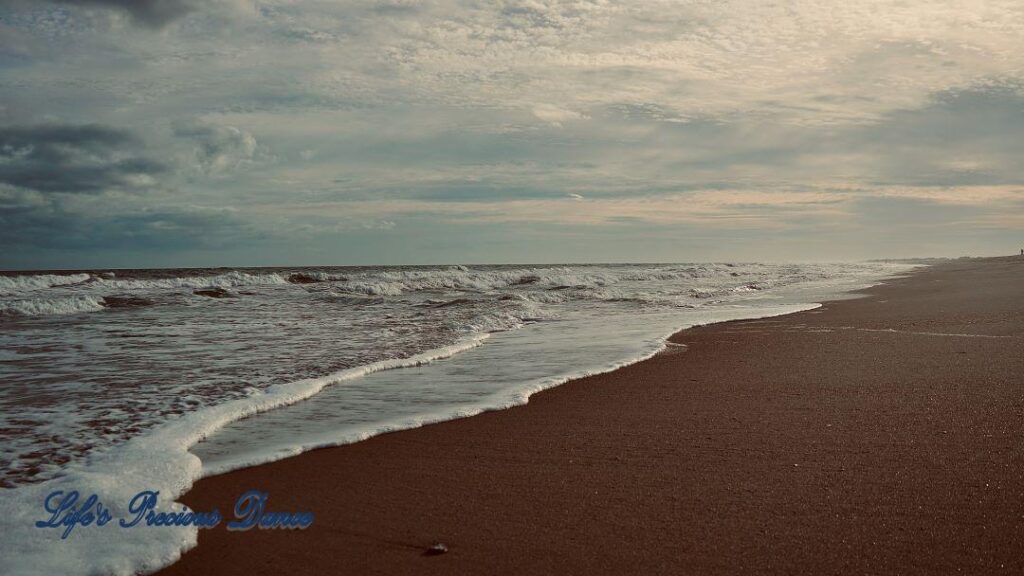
{"points": [[112, 382]]}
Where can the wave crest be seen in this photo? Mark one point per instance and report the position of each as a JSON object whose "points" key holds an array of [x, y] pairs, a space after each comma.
{"points": [[50, 306], [10, 285]]}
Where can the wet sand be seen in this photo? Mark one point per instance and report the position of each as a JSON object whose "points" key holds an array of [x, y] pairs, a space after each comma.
{"points": [[880, 435]]}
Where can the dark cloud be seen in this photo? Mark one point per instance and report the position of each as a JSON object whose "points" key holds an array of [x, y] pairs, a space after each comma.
{"points": [[33, 219], [54, 179], [153, 13], [74, 159]]}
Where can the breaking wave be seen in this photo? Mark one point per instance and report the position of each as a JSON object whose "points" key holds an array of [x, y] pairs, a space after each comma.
{"points": [[51, 306], [28, 283]]}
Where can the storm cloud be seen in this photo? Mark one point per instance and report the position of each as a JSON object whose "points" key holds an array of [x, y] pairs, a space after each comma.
{"points": [[74, 159], [152, 13]]}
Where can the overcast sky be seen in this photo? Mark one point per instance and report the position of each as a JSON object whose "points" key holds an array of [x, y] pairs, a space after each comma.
{"points": [[287, 132]]}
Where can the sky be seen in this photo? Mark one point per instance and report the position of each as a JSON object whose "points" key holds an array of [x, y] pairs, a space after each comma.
{"points": [[164, 133]]}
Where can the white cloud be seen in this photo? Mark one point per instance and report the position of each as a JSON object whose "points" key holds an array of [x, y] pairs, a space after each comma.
{"points": [[818, 62], [216, 148], [555, 115]]}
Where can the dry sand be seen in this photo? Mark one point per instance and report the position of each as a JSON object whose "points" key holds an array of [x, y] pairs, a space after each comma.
{"points": [[881, 435]]}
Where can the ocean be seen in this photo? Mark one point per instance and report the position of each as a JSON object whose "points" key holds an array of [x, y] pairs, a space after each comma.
{"points": [[112, 382]]}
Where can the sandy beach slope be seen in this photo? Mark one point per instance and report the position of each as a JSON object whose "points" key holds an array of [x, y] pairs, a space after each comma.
{"points": [[881, 435]]}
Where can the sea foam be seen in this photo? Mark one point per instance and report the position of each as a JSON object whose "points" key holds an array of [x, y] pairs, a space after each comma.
{"points": [[158, 460]]}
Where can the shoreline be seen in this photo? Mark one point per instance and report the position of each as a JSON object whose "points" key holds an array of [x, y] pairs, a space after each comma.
{"points": [[506, 399], [658, 465]]}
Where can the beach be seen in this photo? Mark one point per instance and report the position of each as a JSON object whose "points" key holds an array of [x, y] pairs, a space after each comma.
{"points": [[875, 435]]}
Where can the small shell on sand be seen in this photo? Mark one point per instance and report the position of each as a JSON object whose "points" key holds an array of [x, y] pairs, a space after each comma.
{"points": [[436, 549]]}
